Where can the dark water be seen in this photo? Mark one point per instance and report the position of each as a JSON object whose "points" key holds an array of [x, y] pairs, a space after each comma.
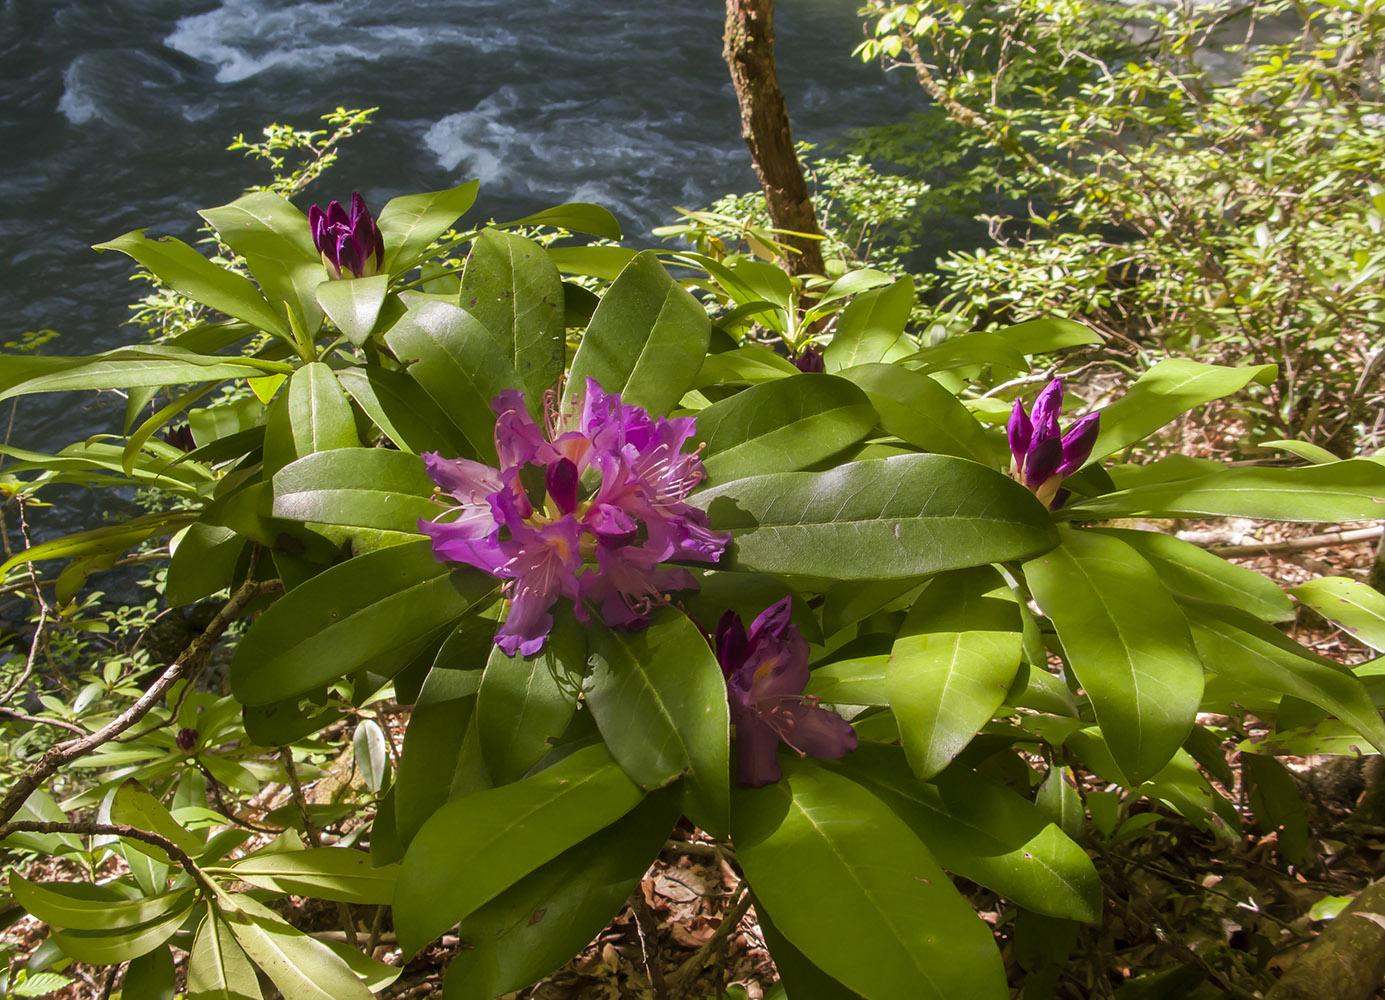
{"points": [[116, 114]]}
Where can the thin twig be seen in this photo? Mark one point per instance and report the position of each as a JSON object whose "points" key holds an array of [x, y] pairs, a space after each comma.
{"points": [[175, 852], [685, 973], [1300, 544], [46, 722], [648, 927], [314, 837]]}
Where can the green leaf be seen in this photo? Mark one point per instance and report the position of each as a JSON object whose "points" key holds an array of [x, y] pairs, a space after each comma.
{"points": [[105, 947], [512, 287], [187, 271], [113, 538], [782, 426], [40, 806], [83, 906], [475, 847], [134, 806], [1187, 569], [1302, 449], [796, 971], [659, 699], [302, 968], [320, 417], [577, 216], [126, 368], [1040, 336], [1277, 803], [605, 263], [871, 324], [1248, 651], [354, 304], [944, 687], [1127, 643], [646, 339], [970, 350], [1348, 603], [859, 681], [409, 224], [150, 977], [980, 829], [743, 365], [334, 873], [459, 363], [918, 410], [526, 702], [384, 602], [913, 515], [1170, 388], [817, 842], [361, 487], [368, 749], [549, 915], [403, 411], [217, 967], [36, 984], [1344, 491]]}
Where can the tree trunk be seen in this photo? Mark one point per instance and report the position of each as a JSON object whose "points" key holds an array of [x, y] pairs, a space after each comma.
{"points": [[749, 52], [1346, 961]]}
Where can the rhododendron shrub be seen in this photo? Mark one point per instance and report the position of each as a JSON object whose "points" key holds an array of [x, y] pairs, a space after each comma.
{"points": [[542, 517]]}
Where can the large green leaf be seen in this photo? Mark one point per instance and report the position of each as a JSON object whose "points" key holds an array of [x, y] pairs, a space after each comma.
{"points": [[782, 426], [549, 915], [1187, 569], [1127, 643], [912, 515], [817, 843], [459, 363], [646, 339], [870, 325], [325, 873], [127, 368], [362, 487], [578, 216], [107, 947], [918, 410], [320, 417], [217, 967], [411, 222], [475, 847], [354, 304], [302, 968], [82, 906], [512, 287], [980, 829], [1351, 604], [526, 702], [187, 271], [112, 538], [659, 699], [1250, 652], [403, 411], [150, 976], [382, 602], [1171, 387], [970, 350], [1343, 491], [944, 686], [134, 806], [1039, 336]]}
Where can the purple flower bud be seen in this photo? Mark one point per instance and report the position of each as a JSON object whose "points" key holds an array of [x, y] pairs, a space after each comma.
{"points": [[1043, 456], [180, 438], [186, 739], [560, 478], [1019, 430], [809, 361], [1078, 442], [351, 244], [1046, 409], [1042, 462]]}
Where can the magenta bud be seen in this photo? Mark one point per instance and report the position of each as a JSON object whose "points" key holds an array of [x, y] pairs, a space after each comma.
{"points": [[809, 361], [1042, 462], [1019, 430], [1078, 443], [351, 245], [186, 739], [1046, 409], [561, 481]]}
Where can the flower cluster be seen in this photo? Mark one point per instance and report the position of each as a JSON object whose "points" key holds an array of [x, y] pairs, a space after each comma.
{"points": [[766, 670], [1043, 455], [351, 244], [531, 521]]}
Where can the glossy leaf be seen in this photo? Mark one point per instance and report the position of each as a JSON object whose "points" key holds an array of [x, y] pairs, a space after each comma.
{"points": [[548, 916], [1127, 643], [354, 304], [1348, 603], [381, 602], [302, 968], [320, 417], [106, 947], [526, 702], [475, 847], [944, 686], [782, 426], [577, 216], [514, 290], [871, 324], [659, 699], [970, 350], [646, 339], [334, 873], [403, 411], [1170, 388], [150, 977], [368, 750], [919, 411], [134, 806], [744, 365], [411, 222], [126, 368], [817, 842], [1039, 336], [912, 515], [362, 487], [218, 968], [187, 271], [857, 681], [83, 906]]}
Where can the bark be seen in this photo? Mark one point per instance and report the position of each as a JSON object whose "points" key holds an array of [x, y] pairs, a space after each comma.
{"points": [[1346, 961], [749, 52]]}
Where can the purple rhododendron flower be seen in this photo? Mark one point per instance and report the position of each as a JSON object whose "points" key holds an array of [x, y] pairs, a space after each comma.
{"points": [[1043, 455], [351, 244], [605, 547], [809, 361], [186, 739], [766, 671]]}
